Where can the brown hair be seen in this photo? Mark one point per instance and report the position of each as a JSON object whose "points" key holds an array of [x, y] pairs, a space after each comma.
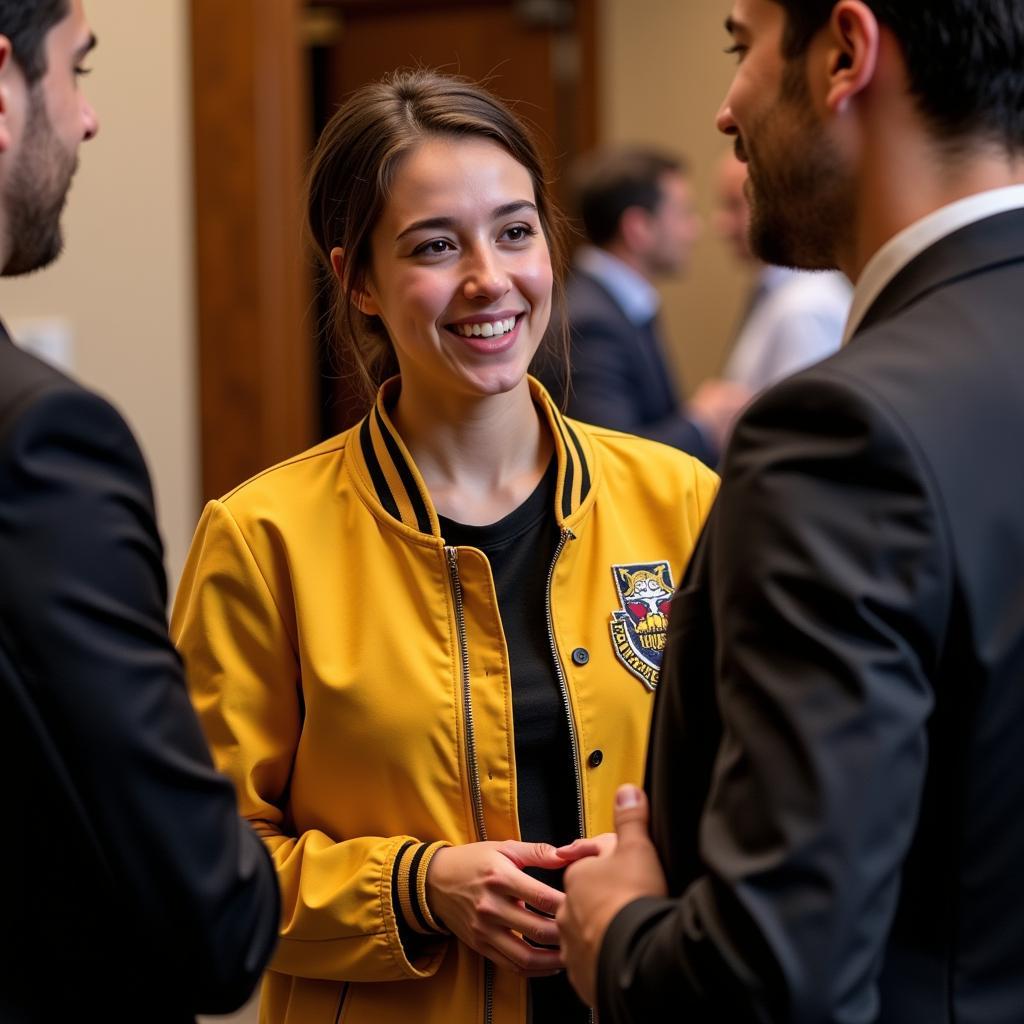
{"points": [[354, 164], [606, 183]]}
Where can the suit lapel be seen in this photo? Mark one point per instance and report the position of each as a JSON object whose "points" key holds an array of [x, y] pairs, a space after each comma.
{"points": [[624, 322], [977, 247], [647, 349]]}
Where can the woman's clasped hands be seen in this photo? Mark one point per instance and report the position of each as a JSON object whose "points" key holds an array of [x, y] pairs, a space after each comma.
{"points": [[487, 900]]}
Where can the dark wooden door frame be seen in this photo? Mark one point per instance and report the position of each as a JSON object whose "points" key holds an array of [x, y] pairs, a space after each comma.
{"points": [[255, 358]]}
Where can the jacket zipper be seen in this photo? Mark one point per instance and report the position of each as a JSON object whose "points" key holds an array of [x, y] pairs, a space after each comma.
{"points": [[341, 1002], [467, 699], [467, 710], [565, 536], [474, 768]]}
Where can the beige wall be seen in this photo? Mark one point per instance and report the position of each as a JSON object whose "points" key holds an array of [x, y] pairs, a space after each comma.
{"points": [[125, 282], [663, 79]]}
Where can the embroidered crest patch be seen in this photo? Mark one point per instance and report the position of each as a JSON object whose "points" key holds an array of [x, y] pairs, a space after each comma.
{"points": [[640, 629]]}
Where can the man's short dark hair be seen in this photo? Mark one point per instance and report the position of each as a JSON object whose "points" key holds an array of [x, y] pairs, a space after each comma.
{"points": [[965, 60], [607, 183], [26, 23]]}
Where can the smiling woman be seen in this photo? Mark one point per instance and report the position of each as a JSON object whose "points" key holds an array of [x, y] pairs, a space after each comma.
{"points": [[443, 127], [412, 646], [463, 293]]}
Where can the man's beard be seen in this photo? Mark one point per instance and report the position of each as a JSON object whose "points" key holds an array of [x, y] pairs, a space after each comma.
{"points": [[36, 192], [801, 197]]}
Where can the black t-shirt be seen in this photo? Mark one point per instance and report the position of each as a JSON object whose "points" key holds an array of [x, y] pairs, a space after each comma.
{"points": [[520, 548]]}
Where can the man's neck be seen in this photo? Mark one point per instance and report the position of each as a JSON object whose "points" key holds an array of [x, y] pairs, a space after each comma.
{"points": [[631, 259], [923, 180]]}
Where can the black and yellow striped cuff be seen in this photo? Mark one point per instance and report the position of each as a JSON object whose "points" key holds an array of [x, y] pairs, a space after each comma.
{"points": [[409, 887]]}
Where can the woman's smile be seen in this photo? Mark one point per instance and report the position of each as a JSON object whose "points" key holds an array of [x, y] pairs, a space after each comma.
{"points": [[488, 333], [461, 272]]}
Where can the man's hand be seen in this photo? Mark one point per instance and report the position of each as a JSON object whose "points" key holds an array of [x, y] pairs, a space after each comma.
{"points": [[715, 406], [598, 886]]}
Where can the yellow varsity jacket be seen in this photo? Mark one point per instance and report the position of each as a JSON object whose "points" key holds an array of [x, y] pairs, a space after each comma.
{"points": [[352, 678]]}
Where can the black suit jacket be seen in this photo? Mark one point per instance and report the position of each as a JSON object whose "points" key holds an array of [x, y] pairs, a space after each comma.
{"points": [[619, 377], [837, 760], [133, 892]]}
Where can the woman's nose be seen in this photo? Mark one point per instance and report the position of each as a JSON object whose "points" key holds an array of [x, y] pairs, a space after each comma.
{"points": [[486, 278]]}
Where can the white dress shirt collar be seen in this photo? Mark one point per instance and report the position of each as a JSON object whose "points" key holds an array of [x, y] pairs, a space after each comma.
{"points": [[913, 240], [772, 277], [632, 292]]}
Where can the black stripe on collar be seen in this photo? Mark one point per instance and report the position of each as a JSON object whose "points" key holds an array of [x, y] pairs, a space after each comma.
{"points": [[380, 484], [584, 468], [419, 507]]}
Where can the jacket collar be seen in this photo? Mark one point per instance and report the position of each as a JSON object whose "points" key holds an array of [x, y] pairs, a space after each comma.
{"points": [[392, 484], [978, 246]]}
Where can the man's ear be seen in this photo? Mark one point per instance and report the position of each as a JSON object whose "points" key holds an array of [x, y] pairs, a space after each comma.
{"points": [[8, 67], [635, 228], [852, 52], [363, 299]]}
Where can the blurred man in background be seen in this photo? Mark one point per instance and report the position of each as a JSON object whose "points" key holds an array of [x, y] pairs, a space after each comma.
{"points": [[135, 893], [637, 210]]}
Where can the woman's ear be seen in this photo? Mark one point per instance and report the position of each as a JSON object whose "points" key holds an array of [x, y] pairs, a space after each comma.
{"points": [[362, 299], [853, 51]]}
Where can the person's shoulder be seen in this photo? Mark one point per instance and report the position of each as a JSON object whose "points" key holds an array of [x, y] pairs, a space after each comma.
{"points": [[863, 391], [295, 479], [39, 401], [646, 462], [954, 348], [594, 317], [25, 379], [584, 293]]}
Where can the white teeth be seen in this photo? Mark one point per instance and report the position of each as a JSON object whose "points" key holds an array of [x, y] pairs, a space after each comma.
{"points": [[495, 329]]}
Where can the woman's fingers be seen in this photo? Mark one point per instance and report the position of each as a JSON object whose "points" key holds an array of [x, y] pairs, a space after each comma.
{"points": [[531, 855], [534, 927], [520, 887], [505, 907], [581, 848], [521, 957]]}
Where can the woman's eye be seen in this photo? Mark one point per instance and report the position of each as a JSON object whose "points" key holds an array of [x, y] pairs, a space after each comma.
{"points": [[519, 232], [435, 247]]}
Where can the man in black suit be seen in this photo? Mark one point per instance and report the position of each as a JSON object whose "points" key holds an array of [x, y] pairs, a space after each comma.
{"points": [[637, 209], [835, 776], [133, 890]]}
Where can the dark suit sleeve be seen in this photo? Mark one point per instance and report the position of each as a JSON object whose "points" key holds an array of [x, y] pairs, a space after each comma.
{"points": [[828, 579], [83, 635], [604, 392]]}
